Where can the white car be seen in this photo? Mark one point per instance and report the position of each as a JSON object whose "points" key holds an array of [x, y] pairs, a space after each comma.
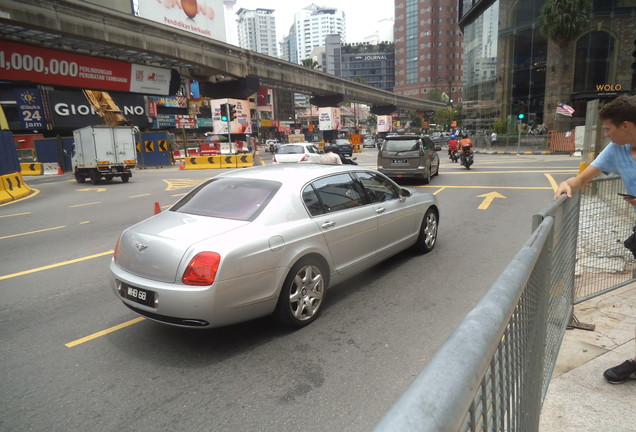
{"points": [[302, 152]]}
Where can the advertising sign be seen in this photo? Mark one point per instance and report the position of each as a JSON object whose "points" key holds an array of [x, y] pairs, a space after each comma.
{"points": [[19, 62], [243, 122], [329, 118], [30, 109], [201, 17], [186, 121], [385, 123], [70, 109]]}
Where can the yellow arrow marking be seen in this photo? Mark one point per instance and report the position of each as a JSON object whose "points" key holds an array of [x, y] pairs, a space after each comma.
{"points": [[92, 189], [488, 199]]}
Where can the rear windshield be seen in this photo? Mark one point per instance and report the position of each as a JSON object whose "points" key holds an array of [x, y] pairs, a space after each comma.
{"points": [[400, 145], [229, 198], [291, 149]]}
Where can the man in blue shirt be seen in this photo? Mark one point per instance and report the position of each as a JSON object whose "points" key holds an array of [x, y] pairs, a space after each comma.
{"points": [[619, 124]]}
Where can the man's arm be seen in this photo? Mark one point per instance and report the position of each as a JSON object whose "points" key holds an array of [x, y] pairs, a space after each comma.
{"points": [[575, 183]]}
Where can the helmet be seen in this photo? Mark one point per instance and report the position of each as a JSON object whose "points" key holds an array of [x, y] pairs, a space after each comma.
{"points": [[335, 148], [328, 148], [453, 137]]}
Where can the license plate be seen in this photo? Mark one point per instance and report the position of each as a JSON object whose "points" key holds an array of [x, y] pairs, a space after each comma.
{"points": [[400, 161], [138, 295]]}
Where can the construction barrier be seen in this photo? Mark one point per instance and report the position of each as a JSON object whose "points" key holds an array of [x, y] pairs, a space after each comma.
{"points": [[202, 162], [244, 160], [52, 168], [31, 168], [15, 186], [4, 195], [228, 161], [561, 142]]}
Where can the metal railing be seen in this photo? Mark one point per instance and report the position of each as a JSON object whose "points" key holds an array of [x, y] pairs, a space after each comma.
{"points": [[603, 263], [504, 351]]}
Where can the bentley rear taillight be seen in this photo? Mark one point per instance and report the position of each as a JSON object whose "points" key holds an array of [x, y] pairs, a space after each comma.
{"points": [[202, 269]]}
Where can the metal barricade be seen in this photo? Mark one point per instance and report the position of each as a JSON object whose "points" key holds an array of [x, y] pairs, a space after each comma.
{"points": [[499, 379], [603, 263]]}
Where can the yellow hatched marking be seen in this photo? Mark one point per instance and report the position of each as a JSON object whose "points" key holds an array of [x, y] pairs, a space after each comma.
{"points": [[176, 184]]}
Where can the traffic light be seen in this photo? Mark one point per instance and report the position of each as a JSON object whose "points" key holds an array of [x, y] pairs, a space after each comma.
{"points": [[521, 116], [232, 111], [224, 112]]}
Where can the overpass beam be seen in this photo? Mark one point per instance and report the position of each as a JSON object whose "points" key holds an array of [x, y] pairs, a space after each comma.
{"points": [[383, 109], [241, 88], [332, 100]]}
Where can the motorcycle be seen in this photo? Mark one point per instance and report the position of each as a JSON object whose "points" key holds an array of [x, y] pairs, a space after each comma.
{"points": [[467, 157], [454, 155]]}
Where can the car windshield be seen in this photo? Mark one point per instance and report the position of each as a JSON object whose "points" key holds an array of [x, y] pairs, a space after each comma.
{"points": [[229, 198], [400, 145], [291, 149], [342, 142]]}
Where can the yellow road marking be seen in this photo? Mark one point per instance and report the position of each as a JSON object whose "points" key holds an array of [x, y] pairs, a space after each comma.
{"points": [[554, 184], [85, 222], [32, 232], [87, 204], [137, 196], [92, 189], [488, 199], [178, 195], [60, 264], [174, 184], [15, 214], [439, 190], [104, 332]]}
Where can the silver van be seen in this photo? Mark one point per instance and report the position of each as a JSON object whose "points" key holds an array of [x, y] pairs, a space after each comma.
{"points": [[408, 156]]}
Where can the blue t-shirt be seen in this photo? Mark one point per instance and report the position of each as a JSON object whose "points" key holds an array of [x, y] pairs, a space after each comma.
{"points": [[618, 159]]}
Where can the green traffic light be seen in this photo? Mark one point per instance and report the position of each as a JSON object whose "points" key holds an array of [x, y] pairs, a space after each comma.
{"points": [[521, 116], [224, 117]]}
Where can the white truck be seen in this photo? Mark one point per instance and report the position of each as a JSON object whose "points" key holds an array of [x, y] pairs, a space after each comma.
{"points": [[103, 152]]}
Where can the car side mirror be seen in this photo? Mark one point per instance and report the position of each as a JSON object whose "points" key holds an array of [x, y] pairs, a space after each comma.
{"points": [[404, 193]]}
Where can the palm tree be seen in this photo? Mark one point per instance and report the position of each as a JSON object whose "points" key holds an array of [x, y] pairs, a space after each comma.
{"points": [[562, 22], [310, 63]]}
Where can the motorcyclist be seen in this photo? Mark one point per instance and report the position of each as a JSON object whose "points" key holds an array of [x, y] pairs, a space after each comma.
{"points": [[330, 157], [452, 146], [343, 159], [465, 146]]}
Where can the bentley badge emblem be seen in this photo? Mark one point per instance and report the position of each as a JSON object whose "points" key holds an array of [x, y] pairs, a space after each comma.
{"points": [[140, 247]]}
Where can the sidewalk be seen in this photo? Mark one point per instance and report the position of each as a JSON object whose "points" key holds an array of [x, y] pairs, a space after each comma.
{"points": [[579, 398]]}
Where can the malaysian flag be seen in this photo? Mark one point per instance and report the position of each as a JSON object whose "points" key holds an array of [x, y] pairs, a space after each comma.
{"points": [[565, 110]]}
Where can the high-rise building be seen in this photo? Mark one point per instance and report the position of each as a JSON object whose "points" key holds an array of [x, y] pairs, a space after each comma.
{"points": [[428, 48], [312, 24], [257, 31], [371, 64]]}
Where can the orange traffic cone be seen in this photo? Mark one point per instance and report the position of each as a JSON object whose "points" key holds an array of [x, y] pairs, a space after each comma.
{"points": [[181, 164], [59, 169], [157, 207]]}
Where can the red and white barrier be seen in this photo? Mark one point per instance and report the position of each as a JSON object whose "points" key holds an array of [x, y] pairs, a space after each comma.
{"points": [[51, 169]]}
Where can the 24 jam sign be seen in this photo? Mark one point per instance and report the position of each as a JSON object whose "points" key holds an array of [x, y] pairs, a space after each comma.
{"points": [[30, 108]]}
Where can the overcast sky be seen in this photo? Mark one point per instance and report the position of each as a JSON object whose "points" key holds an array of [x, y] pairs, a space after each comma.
{"points": [[361, 15]]}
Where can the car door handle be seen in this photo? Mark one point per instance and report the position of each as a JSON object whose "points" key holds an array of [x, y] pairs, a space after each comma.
{"points": [[380, 210], [328, 224]]}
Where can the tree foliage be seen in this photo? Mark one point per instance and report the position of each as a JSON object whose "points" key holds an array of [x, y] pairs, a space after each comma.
{"points": [[564, 20], [310, 63]]}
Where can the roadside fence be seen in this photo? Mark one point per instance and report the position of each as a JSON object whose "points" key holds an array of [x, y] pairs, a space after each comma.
{"points": [[603, 263], [503, 353]]}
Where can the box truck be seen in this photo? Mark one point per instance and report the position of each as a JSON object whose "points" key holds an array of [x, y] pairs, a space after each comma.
{"points": [[103, 152]]}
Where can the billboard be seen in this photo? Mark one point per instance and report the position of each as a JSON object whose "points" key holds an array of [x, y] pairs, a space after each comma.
{"points": [[385, 123], [241, 125], [201, 17], [329, 118], [20, 62]]}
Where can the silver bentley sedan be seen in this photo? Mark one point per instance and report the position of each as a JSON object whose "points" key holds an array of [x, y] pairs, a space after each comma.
{"points": [[267, 240]]}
